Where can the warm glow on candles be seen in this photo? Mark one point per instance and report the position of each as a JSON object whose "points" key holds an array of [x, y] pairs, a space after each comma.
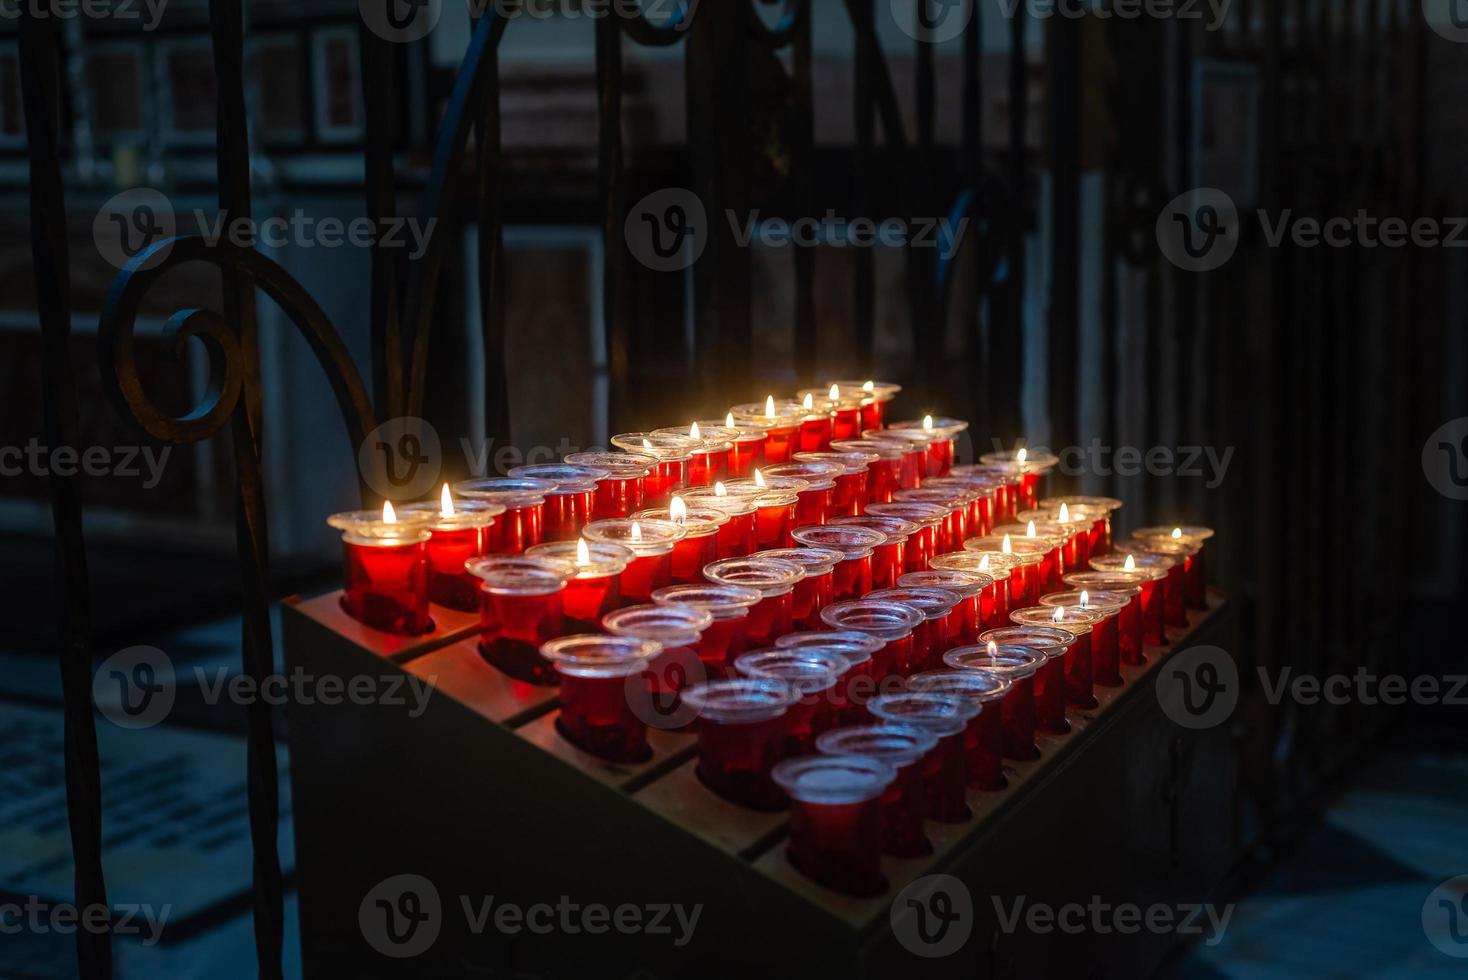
{"points": [[869, 386], [809, 402], [636, 534], [1085, 598], [1005, 546], [759, 479], [1059, 616], [647, 445], [984, 567], [720, 490], [1177, 534], [993, 651], [729, 420], [693, 432], [389, 516], [769, 406], [1131, 564], [446, 502], [928, 423], [1022, 455], [1064, 514], [677, 510], [835, 393], [1030, 530], [583, 553]]}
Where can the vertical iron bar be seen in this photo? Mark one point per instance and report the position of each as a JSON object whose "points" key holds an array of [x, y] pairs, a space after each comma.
{"points": [[380, 105], [609, 189], [1064, 98], [803, 176], [863, 313], [491, 254], [1006, 331], [978, 250]]}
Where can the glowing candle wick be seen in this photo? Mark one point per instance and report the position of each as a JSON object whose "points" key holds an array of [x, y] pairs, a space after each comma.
{"points": [[446, 502]]}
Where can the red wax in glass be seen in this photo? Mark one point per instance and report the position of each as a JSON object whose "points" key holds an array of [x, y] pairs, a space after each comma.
{"points": [[994, 605], [846, 422], [664, 478], [738, 537], [807, 718], [888, 563], [771, 617], [921, 547], [914, 467], [448, 583], [772, 526], [567, 513], [814, 505], [734, 760], [892, 659], [1052, 567], [617, 496], [707, 466], [882, 481], [940, 457], [838, 845], [1173, 587], [873, 414], [849, 496], [745, 455], [516, 529], [812, 594], [780, 443], [512, 628], [724, 640], [945, 779], [596, 715], [983, 748], [1029, 484], [643, 574], [815, 434], [852, 578], [1105, 662], [690, 554], [1050, 696], [1152, 615], [1019, 720], [1129, 632], [903, 807], [387, 586], [1078, 670], [1195, 592], [587, 599]]}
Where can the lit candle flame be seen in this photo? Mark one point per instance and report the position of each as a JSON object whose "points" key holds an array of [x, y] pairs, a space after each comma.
{"points": [[835, 393], [646, 445], [1022, 455], [809, 402], [389, 516], [677, 509], [759, 479], [583, 553], [993, 651], [1006, 547], [1177, 534], [1059, 616], [693, 432], [984, 565], [869, 386], [928, 423], [729, 420], [1064, 514], [636, 535], [1085, 598], [446, 503], [1030, 530], [720, 490], [1130, 565], [769, 406]]}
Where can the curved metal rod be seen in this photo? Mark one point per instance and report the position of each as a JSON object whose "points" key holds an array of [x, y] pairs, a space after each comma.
{"points": [[784, 30], [674, 29], [119, 317]]}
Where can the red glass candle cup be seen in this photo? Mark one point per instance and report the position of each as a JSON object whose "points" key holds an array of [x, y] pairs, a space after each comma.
{"points": [[1105, 652], [835, 819], [1175, 586], [1195, 576], [883, 474], [1050, 692], [814, 592], [812, 675], [569, 505], [674, 454], [710, 452], [1155, 569], [1080, 623], [857, 686], [458, 536], [651, 543], [737, 537], [923, 544], [852, 577], [817, 425], [983, 740], [903, 804], [677, 629], [819, 493], [699, 544], [781, 420], [774, 580], [726, 635], [891, 622], [939, 434], [623, 489], [874, 395], [914, 467], [774, 512], [1018, 665], [968, 614], [939, 631], [1027, 564], [1007, 481], [1100, 509], [1073, 532], [953, 531], [979, 493], [596, 715], [523, 522], [994, 602], [849, 496], [521, 608], [386, 571], [741, 734], [842, 408], [746, 444], [944, 769], [1048, 541], [1126, 588], [595, 589], [1033, 466], [889, 559]]}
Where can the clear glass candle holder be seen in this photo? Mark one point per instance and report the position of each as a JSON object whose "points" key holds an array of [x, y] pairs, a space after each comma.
{"points": [[677, 630], [978, 494], [596, 715], [712, 444], [817, 497], [651, 543], [1105, 650], [523, 522], [738, 537], [1129, 638], [623, 489], [983, 740], [595, 588], [774, 514], [674, 454], [699, 544], [522, 607], [858, 685], [1027, 558], [922, 545], [875, 397], [939, 434], [954, 501], [814, 675], [852, 577], [835, 819], [781, 421], [914, 468], [569, 505], [1195, 591], [945, 769], [994, 603], [968, 586], [741, 737], [814, 592], [1018, 665], [1101, 509], [1033, 465], [1080, 623], [460, 532], [1052, 540], [774, 580], [843, 408], [727, 634], [903, 804], [849, 497], [1184, 555], [1073, 530], [884, 471], [385, 571], [939, 630], [1008, 481], [891, 622], [1050, 690], [889, 559], [1155, 568], [746, 444]]}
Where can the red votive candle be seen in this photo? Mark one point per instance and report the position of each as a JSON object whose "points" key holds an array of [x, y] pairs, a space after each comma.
{"points": [[567, 507], [739, 535], [1050, 693], [1018, 665], [818, 494], [775, 510], [699, 544], [874, 395], [726, 635], [774, 580], [711, 447], [883, 471], [983, 740], [814, 592], [678, 630], [622, 490], [651, 543], [849, 496], [781, 421], [596, 588], [1195, 576], [741, 732], [1074, 534], [812, 674], [523, 522], [938, 434], [903, 804], [835, 819], [1155, 568], [1175, 586], [891, 622], [923, 544], [1100, 510], [1105, 653], [596, 715], [856, 686], [978, 493], [1125, 587], [385, 570], [939, 630], [852, 576], [1026, 569], [1033, 466], [844, 409], [889, 559], [968, 614], [674, 454], [747, 443], [1047, 540], [914, 466], [816, 424], [460, 533], [1080, 623], [1008, 482], [521, 608], [953, 531], [944, 769], [994, 604]]}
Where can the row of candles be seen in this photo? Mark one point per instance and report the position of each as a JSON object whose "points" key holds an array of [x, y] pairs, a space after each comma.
{"points": [[854, 626]]}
